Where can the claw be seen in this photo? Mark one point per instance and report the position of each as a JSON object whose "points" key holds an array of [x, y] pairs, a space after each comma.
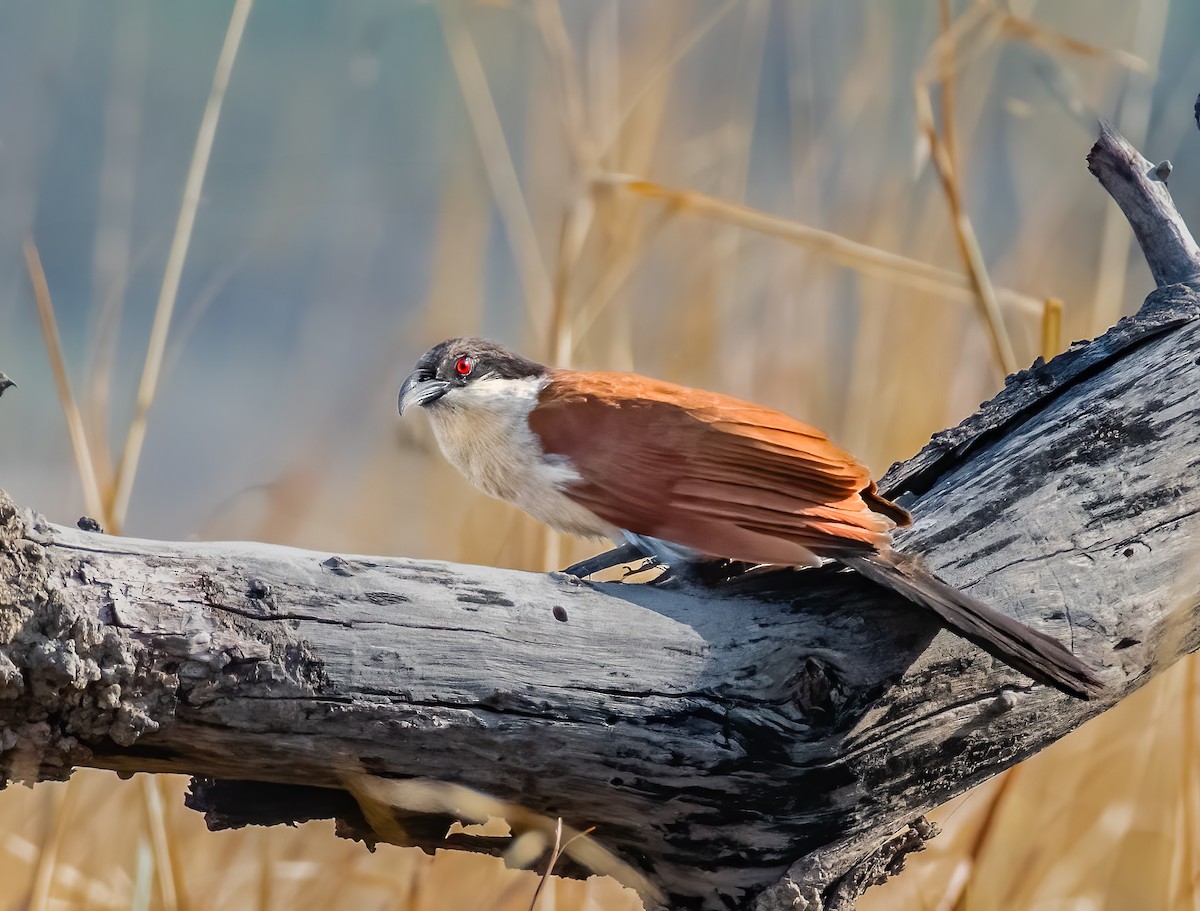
{"points": [[607, 560], [648, 564]]}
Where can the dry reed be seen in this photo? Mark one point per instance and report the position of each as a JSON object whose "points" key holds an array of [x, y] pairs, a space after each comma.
{"points": [[176, 256], [53, 343]]}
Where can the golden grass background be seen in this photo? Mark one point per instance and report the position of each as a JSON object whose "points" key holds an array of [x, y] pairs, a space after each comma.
{"points": [[860, 213]]}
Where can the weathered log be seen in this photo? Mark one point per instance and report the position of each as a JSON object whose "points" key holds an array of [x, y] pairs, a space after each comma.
{"points": [[727, 744]]}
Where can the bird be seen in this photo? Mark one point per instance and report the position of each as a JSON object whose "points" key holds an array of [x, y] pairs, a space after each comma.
{"points": [[684, 476], [6, 383]]}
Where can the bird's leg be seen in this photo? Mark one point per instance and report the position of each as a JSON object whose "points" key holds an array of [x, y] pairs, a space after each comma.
{"points": [[626, 553], [680, 565]]}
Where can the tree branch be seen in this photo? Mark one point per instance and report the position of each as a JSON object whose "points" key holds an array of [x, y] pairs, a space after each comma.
{"points": [[722, 742], [1133, 182]]}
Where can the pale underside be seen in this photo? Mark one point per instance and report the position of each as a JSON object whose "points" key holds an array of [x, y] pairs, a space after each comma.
{"points": [[483, 431]]}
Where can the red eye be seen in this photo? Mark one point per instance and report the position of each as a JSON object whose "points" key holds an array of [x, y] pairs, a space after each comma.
{"points": [[464, 365]]}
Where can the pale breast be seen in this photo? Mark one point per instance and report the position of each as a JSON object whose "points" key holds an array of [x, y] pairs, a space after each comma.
{"points": [[484, 433]]}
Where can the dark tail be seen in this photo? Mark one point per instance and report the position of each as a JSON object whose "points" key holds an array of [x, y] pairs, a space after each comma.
{"points": [[1044, 659]]}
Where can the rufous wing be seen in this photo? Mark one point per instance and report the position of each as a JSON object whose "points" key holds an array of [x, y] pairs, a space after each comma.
{"points": [[711, 472]]}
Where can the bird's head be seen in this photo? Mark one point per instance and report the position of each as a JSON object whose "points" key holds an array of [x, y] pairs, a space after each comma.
{"points": [[449, 372]]}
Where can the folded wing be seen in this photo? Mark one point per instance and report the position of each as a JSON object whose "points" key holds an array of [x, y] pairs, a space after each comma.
{"points": [[719, 475]]}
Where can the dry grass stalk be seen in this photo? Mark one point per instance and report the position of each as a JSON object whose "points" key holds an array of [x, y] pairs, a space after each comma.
{"points": [[968, 244], [577, 220], [863, 258], [165, 870], [959, 42], [627, 253], [964, 230], [971, 34], [946, 69], [99, 386], [376, 795], [573, 234], [984, 20], [498, 164], [980, 19], [1186, 889], [48, 857], [653, 80], [554, 853], [177, 255], [1055, 42], [955, 895], [1052, 317], [561, 55], [79, 442], [735, 141], [112, 264], [558, 849], [266, 872]]}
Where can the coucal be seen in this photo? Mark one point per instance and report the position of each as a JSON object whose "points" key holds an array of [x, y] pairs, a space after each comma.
{"points": [[686, 475]]}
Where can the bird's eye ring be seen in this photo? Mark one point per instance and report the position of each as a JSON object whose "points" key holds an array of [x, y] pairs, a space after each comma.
{"points": [[464, 365]]}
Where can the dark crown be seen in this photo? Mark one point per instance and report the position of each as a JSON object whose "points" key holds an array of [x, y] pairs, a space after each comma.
{"points": [[491, 359]]}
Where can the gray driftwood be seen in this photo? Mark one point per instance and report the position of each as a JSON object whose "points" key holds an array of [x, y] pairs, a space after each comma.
{"points": [[774, 745]]}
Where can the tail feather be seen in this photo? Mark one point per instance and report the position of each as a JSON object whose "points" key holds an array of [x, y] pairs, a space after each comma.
{"points": [[1041, 657]]}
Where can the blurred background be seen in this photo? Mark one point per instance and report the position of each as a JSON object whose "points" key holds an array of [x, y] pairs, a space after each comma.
{"points": [[863, 214]]}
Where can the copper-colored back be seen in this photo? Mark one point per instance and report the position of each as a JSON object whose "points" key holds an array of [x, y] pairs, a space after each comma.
{"points": [[714, 473]]}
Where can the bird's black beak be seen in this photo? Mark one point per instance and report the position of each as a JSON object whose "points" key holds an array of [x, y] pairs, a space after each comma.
{"points": [[420, 389]]}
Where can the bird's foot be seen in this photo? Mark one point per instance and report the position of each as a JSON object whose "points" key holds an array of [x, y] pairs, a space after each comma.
{"points": [[706, 573], [626, 553], [647, 564]]}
